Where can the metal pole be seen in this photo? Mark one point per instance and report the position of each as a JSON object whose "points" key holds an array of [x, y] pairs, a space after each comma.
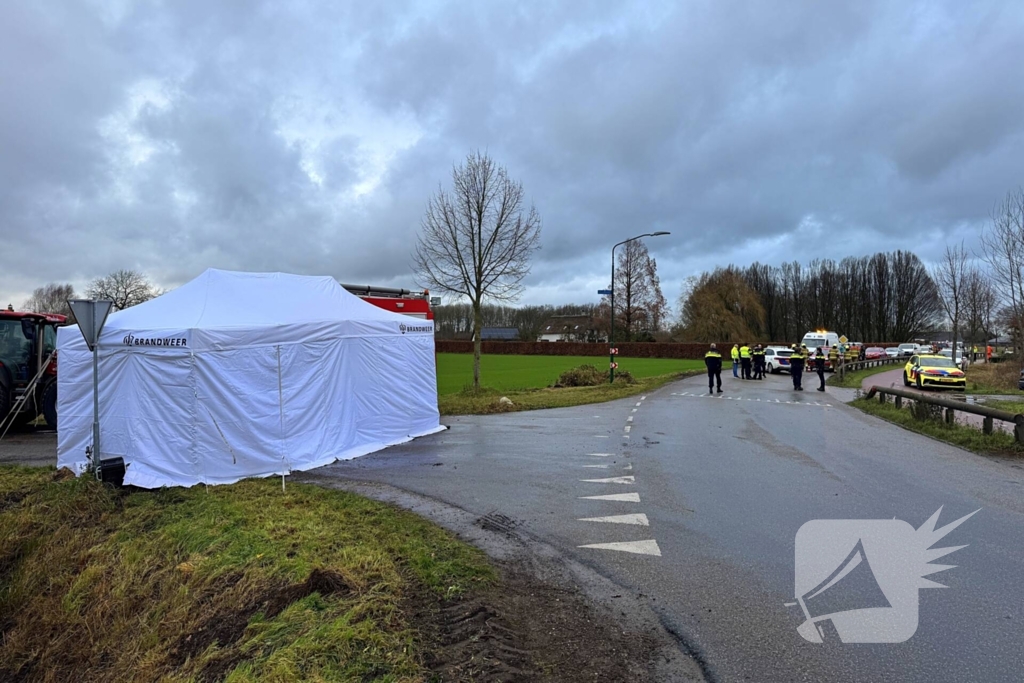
{"points": [[611, 332], [96, 409]]}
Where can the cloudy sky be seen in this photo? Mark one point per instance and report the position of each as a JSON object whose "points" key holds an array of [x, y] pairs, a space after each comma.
{"points": [[307, 136]]}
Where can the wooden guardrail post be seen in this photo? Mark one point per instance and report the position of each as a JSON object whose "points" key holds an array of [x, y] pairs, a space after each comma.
{"points": [[1018, 429], [986, 425], [949, 416], [899, 401]]}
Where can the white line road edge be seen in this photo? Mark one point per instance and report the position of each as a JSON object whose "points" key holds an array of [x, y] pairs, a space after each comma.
{"points": [[639, 519], [620, 497], [636, 547], [629, 479]]}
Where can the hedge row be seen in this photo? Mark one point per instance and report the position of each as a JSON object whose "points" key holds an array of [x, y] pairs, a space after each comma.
{"points": [[626, 349]]}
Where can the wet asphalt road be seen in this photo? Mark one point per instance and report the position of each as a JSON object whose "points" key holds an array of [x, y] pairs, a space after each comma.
{"points": [[724, 483]]}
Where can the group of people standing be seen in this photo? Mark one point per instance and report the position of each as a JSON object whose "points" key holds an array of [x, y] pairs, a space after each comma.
{"points": [[749, 363]]}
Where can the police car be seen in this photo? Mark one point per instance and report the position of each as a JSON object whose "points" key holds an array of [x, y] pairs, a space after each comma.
{"points": [[776, 359]]}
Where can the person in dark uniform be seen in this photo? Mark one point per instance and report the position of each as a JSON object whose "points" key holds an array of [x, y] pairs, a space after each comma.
{"points": [[819, 367], [713, 360], [758, 356], [796, 367]]}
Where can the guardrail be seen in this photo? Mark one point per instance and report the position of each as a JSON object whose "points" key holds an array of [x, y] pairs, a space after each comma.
{"points": [[844, 368], [951, 407]]}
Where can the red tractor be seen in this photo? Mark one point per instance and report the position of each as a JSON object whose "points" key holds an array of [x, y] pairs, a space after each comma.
{"points": [[28, 373]]}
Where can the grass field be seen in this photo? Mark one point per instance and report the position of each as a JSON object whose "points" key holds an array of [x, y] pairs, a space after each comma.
{"points": [[513, 372], [244, 582]]}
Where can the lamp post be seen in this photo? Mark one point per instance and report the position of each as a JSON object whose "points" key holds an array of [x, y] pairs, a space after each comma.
{"points": [[611, 331]]}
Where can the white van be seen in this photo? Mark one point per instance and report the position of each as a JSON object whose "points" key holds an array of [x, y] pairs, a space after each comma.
{"points": [[812, 340]]}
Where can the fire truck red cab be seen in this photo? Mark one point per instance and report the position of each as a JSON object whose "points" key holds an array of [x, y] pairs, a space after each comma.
{"points": [[413, 303]]}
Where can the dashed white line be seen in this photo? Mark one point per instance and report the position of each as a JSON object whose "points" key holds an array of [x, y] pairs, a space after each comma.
{"points": [[633, 411], [600, 455], [643, 398], [629, 479], [639, 519], [629, 419], [636, 547], [638, 404], [627, 428], [600, 436], [619, 497], [600, 467]]}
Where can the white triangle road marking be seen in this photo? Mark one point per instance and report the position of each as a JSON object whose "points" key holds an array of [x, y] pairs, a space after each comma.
{"points": [[636, 547], [621, 497], [612, 480], [639, 519]]}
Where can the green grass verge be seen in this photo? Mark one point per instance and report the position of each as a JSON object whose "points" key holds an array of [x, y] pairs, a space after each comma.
{"points": [[514, 372], [969, 438], [242, 582], [486, 401], [853, 379], [1009, 406]]}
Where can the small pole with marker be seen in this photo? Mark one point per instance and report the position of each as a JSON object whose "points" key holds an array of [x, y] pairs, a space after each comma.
{"points": [[91, 315]]}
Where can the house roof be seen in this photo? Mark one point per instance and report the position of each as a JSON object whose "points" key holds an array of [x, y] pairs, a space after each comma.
{"points": [[563, 324]]}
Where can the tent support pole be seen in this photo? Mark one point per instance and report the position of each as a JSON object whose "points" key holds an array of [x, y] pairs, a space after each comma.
{"points": [[96, 409]]}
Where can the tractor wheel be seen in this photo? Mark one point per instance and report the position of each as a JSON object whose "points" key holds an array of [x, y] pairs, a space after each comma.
{"points": [[50, 405]]}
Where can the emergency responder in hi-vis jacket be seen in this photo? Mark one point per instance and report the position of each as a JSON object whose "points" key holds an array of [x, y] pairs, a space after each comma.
{"points": [[713, 360], [758, 355], [796, 366], [735, 360], [819, 367], [745, 361]]}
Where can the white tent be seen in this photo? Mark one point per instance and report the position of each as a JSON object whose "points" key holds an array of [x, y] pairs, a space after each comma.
{"points": [[239, 375]]}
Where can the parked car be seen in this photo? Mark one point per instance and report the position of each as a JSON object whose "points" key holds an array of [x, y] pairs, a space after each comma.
{"points": [[892, 351], [926, 370], [961, 360], [776, 359], [874, 353], [907, 349]]}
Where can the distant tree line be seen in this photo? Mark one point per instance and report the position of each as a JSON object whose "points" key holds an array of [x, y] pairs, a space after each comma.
{"points": [[126, 288], [455, 321], [885, 297]]}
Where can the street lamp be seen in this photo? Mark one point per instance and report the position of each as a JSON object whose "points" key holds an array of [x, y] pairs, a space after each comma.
{"points": [[611, 332]]}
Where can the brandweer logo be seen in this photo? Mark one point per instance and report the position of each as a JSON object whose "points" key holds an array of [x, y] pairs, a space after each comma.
{"points": [[132, 340], [415, 328]]}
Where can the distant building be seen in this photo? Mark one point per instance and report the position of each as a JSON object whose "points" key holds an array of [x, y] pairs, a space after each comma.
{"points": [[499, 334], [574, 328]]}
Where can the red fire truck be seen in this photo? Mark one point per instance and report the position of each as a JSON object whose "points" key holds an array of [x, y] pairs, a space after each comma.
{"points": [[405, 301]]}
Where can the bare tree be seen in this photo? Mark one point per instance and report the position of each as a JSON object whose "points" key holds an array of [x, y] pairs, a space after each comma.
{"points": [[951, 276], [1003, 250], [126, 288], [477, 239], [52, 298]]}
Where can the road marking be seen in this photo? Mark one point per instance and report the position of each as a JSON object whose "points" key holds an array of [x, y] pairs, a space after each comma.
{"points": [[600, 436], [638, 405], [620, 497], [639, 519], [635, 547], [600, 467], [643, 398], [628, 467], [629, 419], [633, 411], [600, 455], [629, 479], [627, 428]]}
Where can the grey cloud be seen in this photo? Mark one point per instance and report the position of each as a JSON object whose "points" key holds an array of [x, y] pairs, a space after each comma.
{"points": [[308, 136]]}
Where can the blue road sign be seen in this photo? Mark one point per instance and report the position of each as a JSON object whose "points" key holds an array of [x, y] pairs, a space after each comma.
{"points": [[604, 291]]}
